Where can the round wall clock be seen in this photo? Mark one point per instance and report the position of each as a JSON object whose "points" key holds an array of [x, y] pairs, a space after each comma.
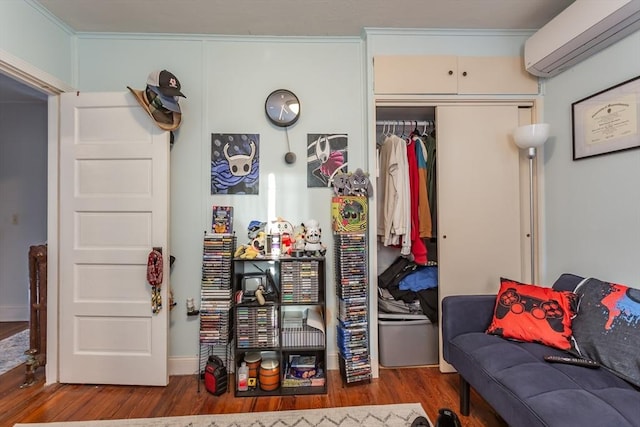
{"points": [[282, 107]]}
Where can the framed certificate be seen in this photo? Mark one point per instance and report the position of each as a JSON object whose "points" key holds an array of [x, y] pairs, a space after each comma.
{"points": [[607, 121]]}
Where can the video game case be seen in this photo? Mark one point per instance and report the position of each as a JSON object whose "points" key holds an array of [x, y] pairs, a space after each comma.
{"points": [[222, 219]]}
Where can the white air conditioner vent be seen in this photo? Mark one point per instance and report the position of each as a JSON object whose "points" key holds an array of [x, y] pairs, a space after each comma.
{"points": [[581, 30]]}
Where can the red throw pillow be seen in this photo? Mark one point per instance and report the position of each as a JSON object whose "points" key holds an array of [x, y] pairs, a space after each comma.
{"points": [[533, 314]]}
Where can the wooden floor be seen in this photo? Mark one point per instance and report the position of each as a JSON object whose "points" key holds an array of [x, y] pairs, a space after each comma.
{"points": [[11, 328], [65, 402]]}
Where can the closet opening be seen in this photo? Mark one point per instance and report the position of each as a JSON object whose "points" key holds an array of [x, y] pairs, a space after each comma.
{"points": [[407, 249]]}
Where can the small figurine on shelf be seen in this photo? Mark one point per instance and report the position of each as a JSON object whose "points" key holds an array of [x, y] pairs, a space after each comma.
{"points": [[281, 231], [191, 308], [313, 234], [298, 240]]}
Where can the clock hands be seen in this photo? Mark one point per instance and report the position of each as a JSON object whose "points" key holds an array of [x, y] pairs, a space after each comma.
{"points": [[283, 111]]}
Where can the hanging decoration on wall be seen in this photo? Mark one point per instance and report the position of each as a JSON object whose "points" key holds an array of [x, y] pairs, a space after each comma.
{"points": [[235, 163], [326, 156], [160, 99]]}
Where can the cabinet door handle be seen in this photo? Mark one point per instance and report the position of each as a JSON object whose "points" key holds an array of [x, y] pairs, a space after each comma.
{"points": [[451, 72], [464, 74]]}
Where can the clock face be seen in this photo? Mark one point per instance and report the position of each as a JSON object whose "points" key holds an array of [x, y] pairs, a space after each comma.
{"points": [[282, 107]]}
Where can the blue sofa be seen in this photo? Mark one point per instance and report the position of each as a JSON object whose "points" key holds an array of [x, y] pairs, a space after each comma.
{"points": [[515, 380]]}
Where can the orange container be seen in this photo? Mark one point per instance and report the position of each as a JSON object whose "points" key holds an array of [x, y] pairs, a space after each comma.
{"points": [[253, 360], [269, 375]]}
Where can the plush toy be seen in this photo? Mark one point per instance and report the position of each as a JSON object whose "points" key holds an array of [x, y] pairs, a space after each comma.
{"points": [[286, 242], [313, 234], [257, 240], [298, 240], [254, 228], [340, 180], [255, 249], [358, 184], [280, 226]]}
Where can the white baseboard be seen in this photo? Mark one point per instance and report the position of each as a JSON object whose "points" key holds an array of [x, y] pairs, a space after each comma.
{"points": [[14, 313]]}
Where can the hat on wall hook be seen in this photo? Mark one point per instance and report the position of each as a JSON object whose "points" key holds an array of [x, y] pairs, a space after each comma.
{"points": [[160, 99]]}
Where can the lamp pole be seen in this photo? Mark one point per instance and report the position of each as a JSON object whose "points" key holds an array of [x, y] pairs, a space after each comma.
{"points": [[531, 153], [530, 137]]}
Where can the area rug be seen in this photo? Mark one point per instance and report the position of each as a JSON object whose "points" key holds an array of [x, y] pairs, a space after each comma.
{"points": [[12, 351], [401, 415]]}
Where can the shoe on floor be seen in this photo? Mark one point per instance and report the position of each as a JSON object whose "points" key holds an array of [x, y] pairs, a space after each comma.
{"points": [[447, 418], [420, 422]]}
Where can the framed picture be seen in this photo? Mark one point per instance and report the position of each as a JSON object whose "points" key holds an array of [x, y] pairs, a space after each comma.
{"points": [[607, 121]]}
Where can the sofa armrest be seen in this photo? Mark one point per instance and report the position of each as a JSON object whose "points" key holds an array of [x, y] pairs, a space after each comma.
{"points": [[465, 313]]}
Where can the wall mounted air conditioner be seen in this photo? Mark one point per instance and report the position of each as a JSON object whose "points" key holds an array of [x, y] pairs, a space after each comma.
{"points": [[582, 29]]}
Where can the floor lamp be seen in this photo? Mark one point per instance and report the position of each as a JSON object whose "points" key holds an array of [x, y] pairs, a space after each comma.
{"points": [[530, 137]]}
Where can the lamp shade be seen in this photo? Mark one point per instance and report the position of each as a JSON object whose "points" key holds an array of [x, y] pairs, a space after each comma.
{"points": [[531, 135]]}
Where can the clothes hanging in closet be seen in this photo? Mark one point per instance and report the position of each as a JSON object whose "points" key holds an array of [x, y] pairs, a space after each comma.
{"points": [[394, 215], [406, 190]]}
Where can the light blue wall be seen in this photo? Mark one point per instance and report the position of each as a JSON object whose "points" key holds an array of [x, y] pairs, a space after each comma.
{"points": [[592, 206], [226, 81], [31, 34], [382, 41]]}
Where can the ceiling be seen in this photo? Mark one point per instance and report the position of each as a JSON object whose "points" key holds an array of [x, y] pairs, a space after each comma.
{"points": [[285, 18], [298, 17]]}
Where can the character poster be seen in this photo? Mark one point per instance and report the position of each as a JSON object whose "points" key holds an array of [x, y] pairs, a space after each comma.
{"points": [[235, 163], [326, 155]]}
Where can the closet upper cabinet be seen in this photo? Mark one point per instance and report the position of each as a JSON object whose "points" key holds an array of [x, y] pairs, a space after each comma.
{"points": [[433, 75]]}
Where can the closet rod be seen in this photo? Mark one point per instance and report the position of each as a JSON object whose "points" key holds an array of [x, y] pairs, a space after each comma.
{"points": [[404, 122]]}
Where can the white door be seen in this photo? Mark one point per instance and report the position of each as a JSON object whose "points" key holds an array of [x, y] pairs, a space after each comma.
{"points": [[114, 203], [479, 201]]}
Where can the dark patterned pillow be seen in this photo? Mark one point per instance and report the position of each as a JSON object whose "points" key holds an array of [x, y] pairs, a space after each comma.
{"points": [[607, 327], [533, 314]]}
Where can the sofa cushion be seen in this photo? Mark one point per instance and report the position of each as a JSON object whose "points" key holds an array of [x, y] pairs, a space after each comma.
{"points": [[526, 391], [606, 327], [533, 314]]}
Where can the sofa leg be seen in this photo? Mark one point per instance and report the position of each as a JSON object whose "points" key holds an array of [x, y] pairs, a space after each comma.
{"points": [[464, 396]]}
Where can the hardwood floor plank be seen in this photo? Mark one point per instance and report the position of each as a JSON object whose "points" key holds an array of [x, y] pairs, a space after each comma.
{"points": [[75, 402], [11, 328]]}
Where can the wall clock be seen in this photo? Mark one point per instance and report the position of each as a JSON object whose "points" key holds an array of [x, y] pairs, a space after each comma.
{"points": [[282, 107]]}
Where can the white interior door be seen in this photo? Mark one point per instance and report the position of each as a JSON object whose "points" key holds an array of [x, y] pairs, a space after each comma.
{"points": [[479, 200], [114, 203]]}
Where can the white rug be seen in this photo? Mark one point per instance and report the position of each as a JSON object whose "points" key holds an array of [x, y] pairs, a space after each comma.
{"points": [[12, 351], [401, 415]]}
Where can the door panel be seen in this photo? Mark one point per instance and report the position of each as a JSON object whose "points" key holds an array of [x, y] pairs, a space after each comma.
{"points": [[479, 208], [114, 187]]}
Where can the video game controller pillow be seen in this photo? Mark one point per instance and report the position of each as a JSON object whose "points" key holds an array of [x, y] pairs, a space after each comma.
{"points": [[533, 313], [607, 327]]}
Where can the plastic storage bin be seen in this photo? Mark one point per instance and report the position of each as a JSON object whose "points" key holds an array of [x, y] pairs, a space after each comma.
{"points": [[407, 340]]}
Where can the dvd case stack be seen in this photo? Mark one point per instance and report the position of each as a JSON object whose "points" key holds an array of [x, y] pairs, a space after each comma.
{"points": [[353, 302], [299, 281], [215, 296]]}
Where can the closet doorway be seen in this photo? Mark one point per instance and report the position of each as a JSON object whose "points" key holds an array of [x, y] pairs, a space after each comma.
{"points": [[480, 205]]}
